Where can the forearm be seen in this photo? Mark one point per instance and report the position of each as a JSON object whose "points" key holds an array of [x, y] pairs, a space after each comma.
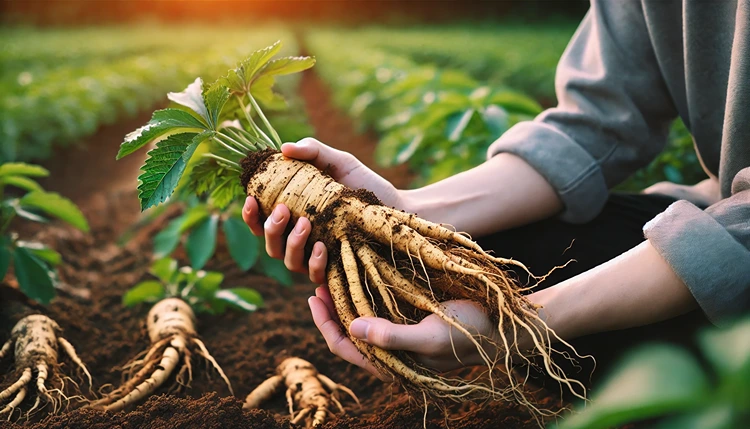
{"points": [[502, 193], [637, 288]]}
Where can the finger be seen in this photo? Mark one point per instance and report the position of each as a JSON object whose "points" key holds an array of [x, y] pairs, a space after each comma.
{"points": [[324, 294], [274, 228], [337, 341], [294, 258], [317, 263], [337, 163], [251, 216], [419, 338]]}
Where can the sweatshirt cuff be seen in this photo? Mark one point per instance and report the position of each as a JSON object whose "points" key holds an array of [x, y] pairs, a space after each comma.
{"points": [[705, 256], [573, 173]]}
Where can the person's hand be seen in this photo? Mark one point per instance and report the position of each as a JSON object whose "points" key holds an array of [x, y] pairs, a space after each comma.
{"points": [[432, 342], [342, 167]]}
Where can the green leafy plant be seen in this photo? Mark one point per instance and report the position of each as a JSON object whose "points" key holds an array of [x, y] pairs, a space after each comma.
{"points": [[220, 117], [199, 229], [33, 263], [201, 289], [668, 385]]}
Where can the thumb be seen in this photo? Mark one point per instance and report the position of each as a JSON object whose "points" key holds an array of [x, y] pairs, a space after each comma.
{"points": [[391, 336], [337, 163]]}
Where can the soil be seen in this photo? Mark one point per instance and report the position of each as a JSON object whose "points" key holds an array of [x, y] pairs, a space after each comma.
{"points": [[247, 346]]}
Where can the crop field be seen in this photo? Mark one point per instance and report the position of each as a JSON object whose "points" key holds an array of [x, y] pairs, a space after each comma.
{"points": [[121, 205]]}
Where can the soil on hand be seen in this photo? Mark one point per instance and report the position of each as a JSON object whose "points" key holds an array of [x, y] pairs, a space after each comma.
{"points": [[247, 346]]}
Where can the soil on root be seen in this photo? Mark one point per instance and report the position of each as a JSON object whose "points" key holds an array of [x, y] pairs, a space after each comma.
{"points": [[247, 346]]}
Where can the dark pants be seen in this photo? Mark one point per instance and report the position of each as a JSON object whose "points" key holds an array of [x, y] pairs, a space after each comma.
{"points": [[544, 245]]}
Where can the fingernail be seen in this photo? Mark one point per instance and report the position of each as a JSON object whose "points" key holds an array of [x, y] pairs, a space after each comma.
{"points": [[317, 251], [302, 143], [276, 216], [299, 229], [246, 207], [359, 328]]}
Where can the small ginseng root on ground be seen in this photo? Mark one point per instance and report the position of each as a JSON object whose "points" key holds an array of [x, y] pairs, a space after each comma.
{"points": [[38, 341], [310, 390], [388, 263], [171, 329]]}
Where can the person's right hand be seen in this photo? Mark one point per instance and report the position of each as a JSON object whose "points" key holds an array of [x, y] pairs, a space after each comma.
{"points": [[342, 167]]}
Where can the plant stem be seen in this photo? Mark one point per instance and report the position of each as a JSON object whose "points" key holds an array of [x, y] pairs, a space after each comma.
{"points": [[250, 141], [253, 125], [217, 139], [265, 121], [229, 164]]}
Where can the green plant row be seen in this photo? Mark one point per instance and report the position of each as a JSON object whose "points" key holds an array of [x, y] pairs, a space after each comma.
{"points": [[47, 104], [439, 121], [522, 57]]}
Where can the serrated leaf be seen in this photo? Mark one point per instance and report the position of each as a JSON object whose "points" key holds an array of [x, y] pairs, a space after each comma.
{"points": [[20, 182], [22, 169], [287, 65], [163, 123], [146, 291], [242, 298], [275, 269], [34, 277], [192, 98], [56, 205], [201, 243], [4, 259], [164, 269], [243, 246], [262, 90], [240, 78], [168, 238], [42, 252], [215, 98], [163, 169], [226, 191]]}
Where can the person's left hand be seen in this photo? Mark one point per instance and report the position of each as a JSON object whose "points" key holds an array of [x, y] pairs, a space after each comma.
{"points": [[432, 342]]}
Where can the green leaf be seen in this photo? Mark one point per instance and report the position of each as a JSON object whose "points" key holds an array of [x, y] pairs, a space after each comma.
{"points": [[457, 123], [275, 269], [34, 276], [56, 205], [514, 102], [21, 169], [164, 269], [42, 252], [4, 258], [496, 120], [21, 212], [226, 191], [208, 284], [240, 78], [146, 291], [287, 65], [262, 90], [167, 239], [201, 243], [715, 417], [20, 182], [216, 97], [192, 98], [651, 381], [162, 124], [728, 349], [193, 217], [242, 298], [243, 245], [163, 169]]}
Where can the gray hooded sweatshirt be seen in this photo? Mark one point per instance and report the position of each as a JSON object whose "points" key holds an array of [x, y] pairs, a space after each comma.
{"points": [[631, 68]]}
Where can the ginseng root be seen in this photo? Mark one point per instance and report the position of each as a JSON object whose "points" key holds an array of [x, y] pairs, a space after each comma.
{"points": [[388, 263], [311, 392], [37, 340], [171, 329]]}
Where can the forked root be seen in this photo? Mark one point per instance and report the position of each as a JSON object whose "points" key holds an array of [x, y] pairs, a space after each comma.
{"points": [[36, 340], [171, 328], [387, 263]]}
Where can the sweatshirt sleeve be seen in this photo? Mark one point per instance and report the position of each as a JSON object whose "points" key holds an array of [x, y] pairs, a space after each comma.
{"points": [[613, 115], [710, 250]]}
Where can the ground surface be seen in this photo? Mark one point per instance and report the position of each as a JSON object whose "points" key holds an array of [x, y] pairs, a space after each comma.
{"points": [[247, 346]]}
